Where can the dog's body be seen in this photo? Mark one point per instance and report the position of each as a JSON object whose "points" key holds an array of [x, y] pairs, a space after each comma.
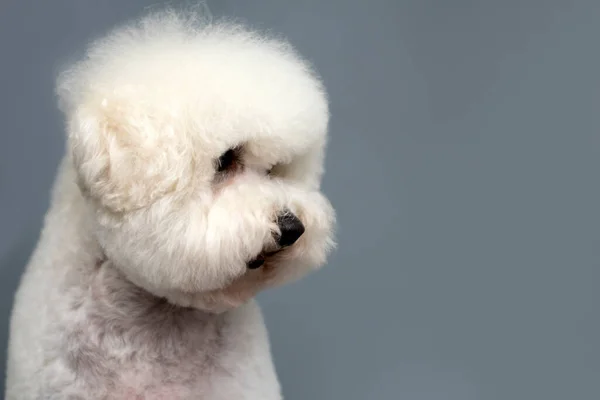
{"points": [[191, 183], [82, 331]]}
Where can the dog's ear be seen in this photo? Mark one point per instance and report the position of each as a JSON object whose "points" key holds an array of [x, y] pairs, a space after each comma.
{"points": [[127, 155]]}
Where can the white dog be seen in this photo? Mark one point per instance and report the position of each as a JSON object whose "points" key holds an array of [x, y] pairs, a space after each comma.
{"points": [[190, 183]]}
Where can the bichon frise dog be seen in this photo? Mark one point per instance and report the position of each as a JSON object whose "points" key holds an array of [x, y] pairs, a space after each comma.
{"points": [[190, 183]]}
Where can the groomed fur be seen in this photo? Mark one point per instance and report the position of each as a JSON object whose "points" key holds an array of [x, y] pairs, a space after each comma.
{"points": [[140, 283]]}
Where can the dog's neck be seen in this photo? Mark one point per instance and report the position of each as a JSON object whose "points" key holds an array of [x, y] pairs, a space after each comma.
{"points": [[128, 305]]}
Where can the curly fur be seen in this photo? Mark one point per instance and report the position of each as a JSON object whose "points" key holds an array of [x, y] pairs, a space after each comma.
{"points": [[139, 286]]}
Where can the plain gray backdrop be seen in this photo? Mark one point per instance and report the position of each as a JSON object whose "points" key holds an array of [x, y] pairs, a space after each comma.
{"points": [[464, 165]]}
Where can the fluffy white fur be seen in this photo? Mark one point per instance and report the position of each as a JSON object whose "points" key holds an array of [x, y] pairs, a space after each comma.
{"points": [[139, 287]]}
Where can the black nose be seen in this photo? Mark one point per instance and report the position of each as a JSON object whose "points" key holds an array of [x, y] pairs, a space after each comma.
{"points": [[291, 228]]}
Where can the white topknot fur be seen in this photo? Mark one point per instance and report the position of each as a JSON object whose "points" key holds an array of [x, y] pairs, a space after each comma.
{"points": [[189, 142]]}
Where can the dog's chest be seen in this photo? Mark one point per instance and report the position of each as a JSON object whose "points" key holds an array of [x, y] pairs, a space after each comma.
{"points": [[125, 344]]}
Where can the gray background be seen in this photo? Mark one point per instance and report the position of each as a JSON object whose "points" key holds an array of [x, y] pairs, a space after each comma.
{"points": [[464, 166]]}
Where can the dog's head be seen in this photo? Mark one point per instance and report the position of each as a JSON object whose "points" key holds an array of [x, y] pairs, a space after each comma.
{"points": [[199, 148]]}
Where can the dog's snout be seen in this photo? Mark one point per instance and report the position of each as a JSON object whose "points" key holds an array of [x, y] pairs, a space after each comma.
{"points": [[291, 228]]}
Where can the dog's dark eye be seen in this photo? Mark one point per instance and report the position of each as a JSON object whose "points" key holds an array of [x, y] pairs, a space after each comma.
{"points": [[226, 161]]}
